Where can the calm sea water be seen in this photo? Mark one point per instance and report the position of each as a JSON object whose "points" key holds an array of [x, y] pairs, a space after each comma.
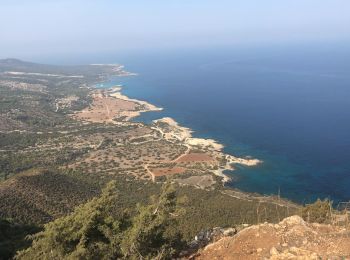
{"points": [[287, 107]]}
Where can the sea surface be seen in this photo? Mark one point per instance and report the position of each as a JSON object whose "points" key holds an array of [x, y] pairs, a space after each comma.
{"points": [[289, 107]]}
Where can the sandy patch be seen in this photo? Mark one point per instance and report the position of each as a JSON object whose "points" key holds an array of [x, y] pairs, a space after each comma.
{"points": [[145, 105], [203, 181], [111, 106], [105, 109]]}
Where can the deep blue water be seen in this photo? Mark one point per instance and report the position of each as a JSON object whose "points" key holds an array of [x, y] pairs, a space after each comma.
{"points": [[287, 107]]}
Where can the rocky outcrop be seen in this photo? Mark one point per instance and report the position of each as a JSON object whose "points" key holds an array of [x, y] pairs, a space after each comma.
{"points": [[292, 238]]}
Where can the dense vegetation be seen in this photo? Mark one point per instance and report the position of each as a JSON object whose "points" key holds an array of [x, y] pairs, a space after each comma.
{"points": [[94, 231], [66, 189], [39, 196], [12, 237]]}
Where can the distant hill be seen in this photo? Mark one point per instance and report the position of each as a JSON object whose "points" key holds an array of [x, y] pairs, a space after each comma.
{"points": [[89, 71], [12, 64]]}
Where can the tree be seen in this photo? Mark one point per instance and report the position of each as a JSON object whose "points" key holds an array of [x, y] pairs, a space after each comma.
{"points": [[319, 211], [12, 237], [90, 232], [93, 231], [149, 236]]}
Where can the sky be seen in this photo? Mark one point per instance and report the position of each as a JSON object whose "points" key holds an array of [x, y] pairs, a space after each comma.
{"points": [[48, 27]]}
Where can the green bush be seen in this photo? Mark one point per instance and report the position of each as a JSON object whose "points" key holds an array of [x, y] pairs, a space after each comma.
{"points": [[319, 211], [93, 231]]}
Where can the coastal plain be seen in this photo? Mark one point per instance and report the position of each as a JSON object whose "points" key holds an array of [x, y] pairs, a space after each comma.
{"points": [[162, 148], [62, 138]]}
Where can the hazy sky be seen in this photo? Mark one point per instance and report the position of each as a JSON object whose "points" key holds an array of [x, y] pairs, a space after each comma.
{"points": [[31, 27]]}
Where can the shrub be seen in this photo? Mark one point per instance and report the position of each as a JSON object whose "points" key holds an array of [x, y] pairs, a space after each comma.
{"points": [[319, 211], [94, 231]]}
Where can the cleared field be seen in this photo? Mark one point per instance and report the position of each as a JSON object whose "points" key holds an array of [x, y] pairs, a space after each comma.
{"points": [[195, 157], [105, 109]]}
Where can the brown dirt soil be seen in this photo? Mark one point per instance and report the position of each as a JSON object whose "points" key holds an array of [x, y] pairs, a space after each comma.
{"points": [[104, 109], [292, 238], [195, 157]]}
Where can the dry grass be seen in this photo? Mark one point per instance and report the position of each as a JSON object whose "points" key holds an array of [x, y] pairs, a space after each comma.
{"points": [[105, 108]]}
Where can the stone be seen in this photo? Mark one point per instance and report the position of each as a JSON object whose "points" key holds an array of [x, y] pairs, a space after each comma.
{"points": [[273, 251], [229, 232]]}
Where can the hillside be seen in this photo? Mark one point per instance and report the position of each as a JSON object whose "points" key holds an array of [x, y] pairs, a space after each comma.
{"points": [[62, 138], [292, 238], [39, 196]]}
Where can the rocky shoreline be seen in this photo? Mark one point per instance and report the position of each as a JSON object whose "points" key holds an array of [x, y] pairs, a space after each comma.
{"points": [[171, 131]]}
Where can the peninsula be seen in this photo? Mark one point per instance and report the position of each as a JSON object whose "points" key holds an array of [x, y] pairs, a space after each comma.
{"points": [[192, 156]]}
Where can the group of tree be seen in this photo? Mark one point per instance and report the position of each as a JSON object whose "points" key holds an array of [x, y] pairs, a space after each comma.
{"points": [[96, 231], [12, 237]]}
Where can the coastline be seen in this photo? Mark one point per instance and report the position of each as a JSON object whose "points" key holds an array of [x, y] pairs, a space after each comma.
{"points": [[184, 134], [116, 93], [172, 131]]}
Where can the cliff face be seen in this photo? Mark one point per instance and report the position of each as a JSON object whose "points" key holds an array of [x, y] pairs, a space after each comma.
{"points": [[292, 238]]}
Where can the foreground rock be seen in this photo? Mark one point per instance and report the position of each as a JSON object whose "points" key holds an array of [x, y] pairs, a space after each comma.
{"points": [[292, 238]]}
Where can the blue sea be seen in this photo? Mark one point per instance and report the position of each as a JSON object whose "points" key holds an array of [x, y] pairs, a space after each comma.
{"points": [[289, 107]]}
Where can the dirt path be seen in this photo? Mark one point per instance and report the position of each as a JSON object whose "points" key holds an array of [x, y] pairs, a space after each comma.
{"points": [[150, 173], [184, 154], [107, 109]]}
